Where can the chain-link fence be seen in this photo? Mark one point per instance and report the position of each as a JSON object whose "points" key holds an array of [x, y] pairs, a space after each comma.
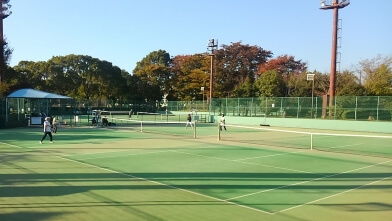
{"points": [[345, 108]]}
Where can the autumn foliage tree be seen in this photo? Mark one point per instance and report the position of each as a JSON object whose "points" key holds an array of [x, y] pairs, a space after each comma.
{"points": [[377, 74], [286, 66], [190, 74], [237, 64], [154, 74]]}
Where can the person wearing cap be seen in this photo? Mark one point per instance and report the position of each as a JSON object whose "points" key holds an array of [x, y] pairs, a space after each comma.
{"points": [[188, 121], [222, 122], [47, 130]]}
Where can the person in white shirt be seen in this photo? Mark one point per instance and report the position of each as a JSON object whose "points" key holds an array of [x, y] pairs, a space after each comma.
{"points": [[188, 121], [54, 125], [222, 122], [47, 130]]}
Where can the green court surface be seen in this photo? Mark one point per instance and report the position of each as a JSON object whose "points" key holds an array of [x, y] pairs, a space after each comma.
{"points": [[168, 172]]}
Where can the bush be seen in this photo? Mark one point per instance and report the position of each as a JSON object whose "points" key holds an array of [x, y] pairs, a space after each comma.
{"points": [[14, 124], [365, 114]]}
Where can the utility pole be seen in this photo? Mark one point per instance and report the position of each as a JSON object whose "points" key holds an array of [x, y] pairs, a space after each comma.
{"points": [[212, 47], [4, 13], [335, 6]]}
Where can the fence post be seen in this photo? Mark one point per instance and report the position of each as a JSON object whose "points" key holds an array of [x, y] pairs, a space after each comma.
{"points": [[334, 114], [378, 105], [356, 107]]}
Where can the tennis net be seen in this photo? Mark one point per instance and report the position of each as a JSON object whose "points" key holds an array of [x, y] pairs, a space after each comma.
{"points": [[155, 126], [157, 117], [373, 145]]}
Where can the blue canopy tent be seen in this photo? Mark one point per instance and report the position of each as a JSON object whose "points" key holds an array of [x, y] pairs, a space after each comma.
{"points": [[34, 101]]}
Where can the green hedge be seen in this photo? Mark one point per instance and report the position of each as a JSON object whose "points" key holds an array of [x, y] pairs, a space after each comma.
{"points": [[367, 115]]}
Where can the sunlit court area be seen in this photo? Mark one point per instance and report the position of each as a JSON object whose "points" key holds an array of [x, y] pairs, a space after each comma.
{"points": [[168, 172], [174, 110]]}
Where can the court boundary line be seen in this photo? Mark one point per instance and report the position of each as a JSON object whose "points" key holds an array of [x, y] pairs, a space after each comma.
{"points": [[163, 184], [239, 161], [272, 155], [133, 154], [327, 197], [221, 200], [13, 145], [320, 178], [140, 178]]}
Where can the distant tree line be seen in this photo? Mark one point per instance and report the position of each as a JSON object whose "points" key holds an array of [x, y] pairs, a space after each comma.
{"points": [[240, 70]]}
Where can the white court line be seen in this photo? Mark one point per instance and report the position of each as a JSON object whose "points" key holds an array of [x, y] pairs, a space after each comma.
{"points": [[12, 145], [238, 161], [124, 155], [151, 181], [134, 154], [320, 178], [162, 184], [272, 155], [334, 195], [109, 152], [349, 145]]}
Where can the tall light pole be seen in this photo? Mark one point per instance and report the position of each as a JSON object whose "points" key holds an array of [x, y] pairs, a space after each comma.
{"points": [[310, 77], [335, 5], [212, 47], [4, 13]]}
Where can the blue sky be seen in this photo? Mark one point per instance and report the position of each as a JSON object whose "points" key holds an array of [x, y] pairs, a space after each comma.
{"points": [[124, 31]]}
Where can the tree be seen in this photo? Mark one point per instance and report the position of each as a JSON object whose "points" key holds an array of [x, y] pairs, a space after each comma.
{"points": [[289, 68], [13, 80], [377, 74], [298, 86], [5, 54], [246, 89], [270, 84], [78, 76], [65, 75], [190, 73], [35, 73], [236, 63], [347, 84], [153, 71]]}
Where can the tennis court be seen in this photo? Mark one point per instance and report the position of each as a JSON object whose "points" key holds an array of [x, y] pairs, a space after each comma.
{"points": [[167, 172]]}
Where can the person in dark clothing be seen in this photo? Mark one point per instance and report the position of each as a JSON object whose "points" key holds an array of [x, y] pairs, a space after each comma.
{"points": [[188, 121]]}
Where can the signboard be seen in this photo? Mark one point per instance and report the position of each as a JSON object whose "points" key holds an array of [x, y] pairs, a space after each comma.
{"points": [[35, 120], [310, 77]]}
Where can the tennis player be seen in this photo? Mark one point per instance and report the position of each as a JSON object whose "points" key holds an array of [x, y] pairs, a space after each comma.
{"points": [[188, 121], [222, 122], [47, 130], [54, 125]]}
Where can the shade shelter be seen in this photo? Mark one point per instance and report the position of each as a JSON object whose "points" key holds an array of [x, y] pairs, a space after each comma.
{"points": [[35, 105]]}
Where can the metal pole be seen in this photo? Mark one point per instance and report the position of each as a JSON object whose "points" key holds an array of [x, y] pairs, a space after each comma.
{"points": [[212, 46], [333, 56], [194, 129], [219, 131], [378, 105], [356, 106], [311, 141], [211, 77], [312, 96]]}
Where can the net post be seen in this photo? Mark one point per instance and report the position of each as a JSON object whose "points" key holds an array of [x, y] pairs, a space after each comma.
{"points": [[219, 131], [194, 129], [141, 126], [311, 141]]}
